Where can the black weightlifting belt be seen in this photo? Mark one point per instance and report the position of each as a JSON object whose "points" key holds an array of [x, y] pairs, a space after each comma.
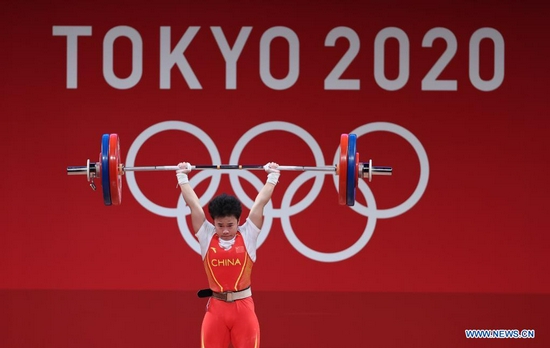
{"points": [[227, 296]]}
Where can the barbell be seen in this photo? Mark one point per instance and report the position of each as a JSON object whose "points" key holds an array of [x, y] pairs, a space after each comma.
{"points": [[109, 169]]}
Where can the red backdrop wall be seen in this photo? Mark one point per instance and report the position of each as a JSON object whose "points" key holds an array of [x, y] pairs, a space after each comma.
{"points": [[453, 96]]}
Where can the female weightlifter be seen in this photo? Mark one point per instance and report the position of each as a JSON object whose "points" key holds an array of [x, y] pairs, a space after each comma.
{"points": [[228, 252]]}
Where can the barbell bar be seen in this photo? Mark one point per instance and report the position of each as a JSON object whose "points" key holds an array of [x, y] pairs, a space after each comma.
{"points": [[109, 169]]}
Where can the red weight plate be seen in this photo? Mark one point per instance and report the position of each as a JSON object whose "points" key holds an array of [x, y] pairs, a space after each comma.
{"points": [[356, 172], [343, 169], [115, 176]]}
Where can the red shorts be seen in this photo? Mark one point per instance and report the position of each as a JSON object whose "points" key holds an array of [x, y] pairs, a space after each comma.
{"points": [[234, 322]]}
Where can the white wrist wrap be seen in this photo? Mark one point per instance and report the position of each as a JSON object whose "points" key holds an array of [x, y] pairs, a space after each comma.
{"points": [[273, 178], [182, 178]]}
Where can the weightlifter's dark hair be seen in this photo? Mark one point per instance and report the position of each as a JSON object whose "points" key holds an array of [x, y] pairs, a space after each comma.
{"points": [[225, 205]]}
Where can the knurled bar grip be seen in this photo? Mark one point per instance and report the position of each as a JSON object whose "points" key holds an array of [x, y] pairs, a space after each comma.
{"points": [[229, 167]]}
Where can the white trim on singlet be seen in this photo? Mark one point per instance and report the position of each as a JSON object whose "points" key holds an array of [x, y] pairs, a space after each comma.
{"points": [[248, 230]]}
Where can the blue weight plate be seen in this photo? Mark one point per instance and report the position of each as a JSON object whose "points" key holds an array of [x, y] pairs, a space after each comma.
{"points": [[350, 175], [104, 160]]}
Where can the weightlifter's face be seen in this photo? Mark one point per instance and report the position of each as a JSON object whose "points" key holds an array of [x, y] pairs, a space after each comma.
{"points": [[226, 227]]}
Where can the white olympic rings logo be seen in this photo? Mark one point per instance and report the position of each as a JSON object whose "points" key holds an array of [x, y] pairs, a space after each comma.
{"points": [[181, 210]]}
